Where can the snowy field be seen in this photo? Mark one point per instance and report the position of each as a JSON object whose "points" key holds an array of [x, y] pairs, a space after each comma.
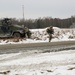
{"points": [[31, 63], [35, 63]]}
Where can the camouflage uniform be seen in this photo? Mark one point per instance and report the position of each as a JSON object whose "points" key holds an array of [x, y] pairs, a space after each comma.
{"points": [[50, 31], [27, 32]]}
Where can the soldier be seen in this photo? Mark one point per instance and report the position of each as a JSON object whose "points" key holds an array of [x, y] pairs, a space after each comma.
{"points": [[50, 31], [27, 32]]}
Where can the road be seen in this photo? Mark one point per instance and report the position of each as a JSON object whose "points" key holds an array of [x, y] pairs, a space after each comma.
{"points": [[45, 47]]}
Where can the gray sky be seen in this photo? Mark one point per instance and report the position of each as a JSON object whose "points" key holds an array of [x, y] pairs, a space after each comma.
{"points": [[37, 8]]}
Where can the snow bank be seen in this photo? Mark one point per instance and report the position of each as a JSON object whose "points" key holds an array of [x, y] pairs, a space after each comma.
{"points": [[59, 34], [40, 35]]}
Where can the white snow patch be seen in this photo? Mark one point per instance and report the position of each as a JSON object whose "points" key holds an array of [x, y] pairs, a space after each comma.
{"points": [[55, 63]]}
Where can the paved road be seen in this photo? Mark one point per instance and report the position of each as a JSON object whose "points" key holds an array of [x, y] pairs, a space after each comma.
{"points": [[45, 47]]}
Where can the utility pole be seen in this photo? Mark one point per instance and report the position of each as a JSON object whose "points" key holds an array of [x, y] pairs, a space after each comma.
{"points": [[23, 13]]}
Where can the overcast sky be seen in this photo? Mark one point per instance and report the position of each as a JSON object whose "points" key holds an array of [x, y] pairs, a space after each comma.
{"points": [[37, 8]]}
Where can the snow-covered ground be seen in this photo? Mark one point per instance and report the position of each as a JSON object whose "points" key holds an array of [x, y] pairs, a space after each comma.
{"points": [[31, 63], [35, 63], [40, 35]]}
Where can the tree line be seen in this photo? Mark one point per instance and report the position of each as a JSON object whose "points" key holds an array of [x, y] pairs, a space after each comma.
{"points": [[44, 22]]}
